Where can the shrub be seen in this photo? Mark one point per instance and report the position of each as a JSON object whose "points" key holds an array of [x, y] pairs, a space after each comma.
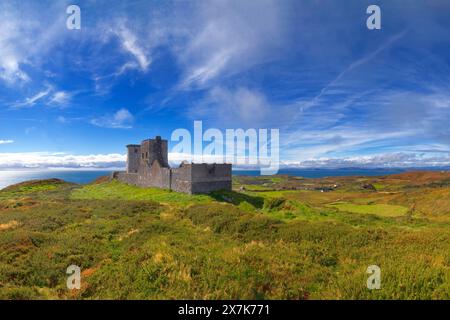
{"points": [[273, 203]]}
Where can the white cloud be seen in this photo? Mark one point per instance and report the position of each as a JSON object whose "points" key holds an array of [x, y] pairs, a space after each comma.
{"points": [[228, 37], [31, 101], [354, 65], [25, 38], [11, 56], [214, 40], [238, 106], [382, 121], [10, 70], [48, 96], [60, 98], [6, 141], [44, 160], [60, 160], [385, 160], [122, 119], [309, 144], [63, 160], [131, 44]]}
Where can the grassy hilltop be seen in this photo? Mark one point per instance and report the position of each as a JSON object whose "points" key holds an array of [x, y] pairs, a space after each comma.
{"points": [[272, 238]]}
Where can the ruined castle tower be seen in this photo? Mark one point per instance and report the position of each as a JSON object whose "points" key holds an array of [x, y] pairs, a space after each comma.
{"points": [[133, 158], [154, 149], [148, 166]]}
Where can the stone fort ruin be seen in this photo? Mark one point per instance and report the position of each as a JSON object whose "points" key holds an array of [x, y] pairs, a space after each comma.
{"points": [[148, 166]]}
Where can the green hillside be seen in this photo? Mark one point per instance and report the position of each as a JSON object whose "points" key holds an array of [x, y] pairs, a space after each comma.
{"points": [[271, 238]]}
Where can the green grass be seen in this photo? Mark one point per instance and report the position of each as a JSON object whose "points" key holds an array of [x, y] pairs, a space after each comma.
{"points": [[34, 188], [117, 190], [385, 210], [256, 187], [379, 186], [136, 243], [271, 194]]}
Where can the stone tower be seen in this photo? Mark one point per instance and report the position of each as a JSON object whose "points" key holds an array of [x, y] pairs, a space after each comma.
{"points": [[154, 149], [133, 158]]}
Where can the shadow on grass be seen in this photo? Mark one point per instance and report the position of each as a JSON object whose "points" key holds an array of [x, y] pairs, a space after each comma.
{"points": [[237, 198]]}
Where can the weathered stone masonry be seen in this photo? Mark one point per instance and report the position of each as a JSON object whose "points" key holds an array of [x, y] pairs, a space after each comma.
{"points": [[148, 166]]}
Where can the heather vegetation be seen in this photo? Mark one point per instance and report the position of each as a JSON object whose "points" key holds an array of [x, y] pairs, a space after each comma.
{"points": [[270, 238]]}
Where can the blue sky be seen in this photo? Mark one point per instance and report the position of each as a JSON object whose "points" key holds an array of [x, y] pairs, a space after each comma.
{"points": [[341, 95]]}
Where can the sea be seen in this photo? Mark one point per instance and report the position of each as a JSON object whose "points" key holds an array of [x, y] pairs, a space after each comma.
{"points": [[9, 177]]}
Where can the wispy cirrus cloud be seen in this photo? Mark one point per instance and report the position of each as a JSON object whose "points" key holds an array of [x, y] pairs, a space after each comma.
{"points": [[131, 44], [241, 107], [60, 98], [48, 96], [238, 106], [25, 39], [360, 62], [228, 38], [12, 56], [6, 141], [31, 101]]}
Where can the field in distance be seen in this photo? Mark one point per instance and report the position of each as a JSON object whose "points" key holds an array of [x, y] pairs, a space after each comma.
{"points": [[278, 237]]}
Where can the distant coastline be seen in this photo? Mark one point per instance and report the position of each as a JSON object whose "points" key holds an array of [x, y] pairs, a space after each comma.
{"points": [[327, 172], [9, 177]]}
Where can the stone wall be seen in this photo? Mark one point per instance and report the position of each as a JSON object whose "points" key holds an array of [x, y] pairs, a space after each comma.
{"points": [[210, 186], [188, 178], [130, 178], [210, 177], [159, 176], [181, 179]]}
